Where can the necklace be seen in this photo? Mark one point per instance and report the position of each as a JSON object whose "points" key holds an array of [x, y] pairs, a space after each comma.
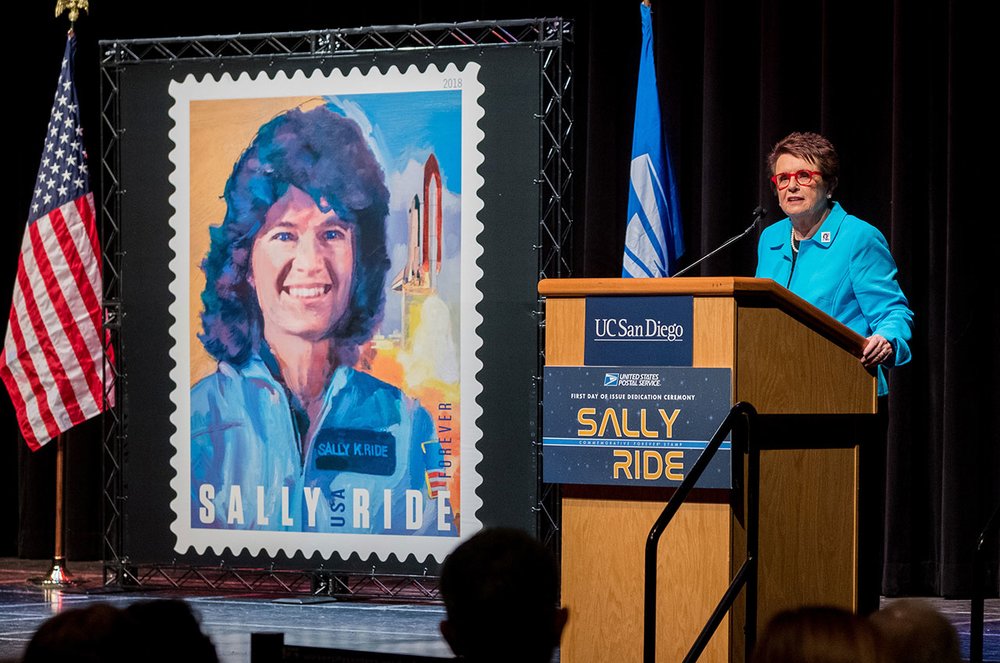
{"points": [[812, 231]]}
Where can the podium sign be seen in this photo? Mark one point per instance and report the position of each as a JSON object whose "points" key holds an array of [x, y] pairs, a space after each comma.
{"points": [[639, 331], [633, 425]]}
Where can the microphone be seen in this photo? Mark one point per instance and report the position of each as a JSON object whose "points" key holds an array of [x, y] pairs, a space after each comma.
{"points": [[758, 214]]}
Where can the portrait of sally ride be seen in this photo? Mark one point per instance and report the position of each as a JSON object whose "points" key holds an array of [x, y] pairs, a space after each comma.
{"points": [[313, 422]]}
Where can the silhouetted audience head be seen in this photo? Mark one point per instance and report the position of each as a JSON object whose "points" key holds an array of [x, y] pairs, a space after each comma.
{"points": [[913, 631], [162, 630], [500, 590], [170, 628], [818, 634], [82, 635]]}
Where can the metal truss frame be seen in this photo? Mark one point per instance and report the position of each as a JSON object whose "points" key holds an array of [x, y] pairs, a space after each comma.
{"points": [[554, 247], [115, 420], [552, 37], [316, 582], [543, 33]]}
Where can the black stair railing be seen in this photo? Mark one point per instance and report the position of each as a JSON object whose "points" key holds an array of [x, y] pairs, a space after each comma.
{"points": [[739, 422], [976, 622]]}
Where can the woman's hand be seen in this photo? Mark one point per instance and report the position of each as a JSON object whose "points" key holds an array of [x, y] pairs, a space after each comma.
{"points": [[877, 351]]}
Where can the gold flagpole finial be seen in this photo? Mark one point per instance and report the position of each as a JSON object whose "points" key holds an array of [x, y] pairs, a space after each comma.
{"points": [[73, 7]]}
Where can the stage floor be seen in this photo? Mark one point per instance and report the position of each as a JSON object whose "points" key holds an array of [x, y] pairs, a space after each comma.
{"points": [[227, 618], [230, 618]]}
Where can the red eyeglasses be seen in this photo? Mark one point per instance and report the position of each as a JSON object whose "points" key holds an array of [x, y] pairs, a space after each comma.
{"points": [[801, 177]]}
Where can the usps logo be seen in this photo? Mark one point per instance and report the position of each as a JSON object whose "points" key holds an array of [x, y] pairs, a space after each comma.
{"points": [[611, 379]]}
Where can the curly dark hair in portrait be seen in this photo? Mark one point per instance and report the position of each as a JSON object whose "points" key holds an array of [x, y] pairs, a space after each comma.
{"points": [[325, 155]]}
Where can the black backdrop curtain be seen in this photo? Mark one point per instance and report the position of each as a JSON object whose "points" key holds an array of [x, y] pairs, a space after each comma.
{"points": [[898, 87]]}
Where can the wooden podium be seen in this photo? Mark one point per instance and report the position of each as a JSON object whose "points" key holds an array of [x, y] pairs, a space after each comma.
{"points": [[787, 357]]}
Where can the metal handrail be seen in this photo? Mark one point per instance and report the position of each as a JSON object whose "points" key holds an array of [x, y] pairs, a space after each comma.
{"points": [[739, 421], [976, 624]]}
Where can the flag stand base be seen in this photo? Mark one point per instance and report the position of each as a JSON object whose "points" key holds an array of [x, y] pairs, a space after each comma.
{"points": [[58, 575]]}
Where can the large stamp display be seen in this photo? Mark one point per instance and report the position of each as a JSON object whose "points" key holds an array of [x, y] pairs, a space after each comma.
{"points": [[324, 286]]}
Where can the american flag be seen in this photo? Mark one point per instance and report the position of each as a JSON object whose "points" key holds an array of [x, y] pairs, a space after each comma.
{"points": [[436, 480], [53, 358]]}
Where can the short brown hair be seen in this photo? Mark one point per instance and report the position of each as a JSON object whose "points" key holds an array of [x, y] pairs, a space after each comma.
{"points": [[915, 632], [818, 634], [812, 147]]}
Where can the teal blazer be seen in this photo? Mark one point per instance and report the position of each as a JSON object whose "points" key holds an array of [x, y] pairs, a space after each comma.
{"points": [[845, 269]]}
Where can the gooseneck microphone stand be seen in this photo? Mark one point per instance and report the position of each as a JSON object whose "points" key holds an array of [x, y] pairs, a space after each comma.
{"points": [[758, 214]]}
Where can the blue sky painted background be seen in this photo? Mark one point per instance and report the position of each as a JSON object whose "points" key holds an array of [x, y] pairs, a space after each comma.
{"points": [[404, 128]]}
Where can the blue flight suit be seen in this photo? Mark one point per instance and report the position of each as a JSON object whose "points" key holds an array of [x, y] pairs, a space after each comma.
{"points": [[372, 438]]}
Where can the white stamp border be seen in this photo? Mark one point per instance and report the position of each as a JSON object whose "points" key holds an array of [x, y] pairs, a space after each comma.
{"points": [[318, 84]]}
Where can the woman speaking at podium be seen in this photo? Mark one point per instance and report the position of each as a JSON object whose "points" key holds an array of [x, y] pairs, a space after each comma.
{"points": [[835, 261], [841, 265]]}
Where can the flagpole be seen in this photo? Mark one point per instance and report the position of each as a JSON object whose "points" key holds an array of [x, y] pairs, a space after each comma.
{"points": [[58, 575]]}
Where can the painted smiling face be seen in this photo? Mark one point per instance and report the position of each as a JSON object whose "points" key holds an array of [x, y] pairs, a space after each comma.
{"points": [[301, 266]]}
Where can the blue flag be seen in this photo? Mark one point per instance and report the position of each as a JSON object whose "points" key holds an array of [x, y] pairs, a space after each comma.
{"points": [[653, 238]]}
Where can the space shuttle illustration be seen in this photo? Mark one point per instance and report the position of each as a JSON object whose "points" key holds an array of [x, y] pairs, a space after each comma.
{"points": [[423, 263]]}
